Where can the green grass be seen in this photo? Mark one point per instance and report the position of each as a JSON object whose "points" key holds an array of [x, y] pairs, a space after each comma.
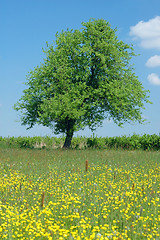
{"points": [[47, 194]]}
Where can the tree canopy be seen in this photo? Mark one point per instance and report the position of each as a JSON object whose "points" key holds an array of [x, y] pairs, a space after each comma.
{"points": [[85, 77]]}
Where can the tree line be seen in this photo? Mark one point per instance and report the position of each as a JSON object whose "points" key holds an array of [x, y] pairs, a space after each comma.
{"points": [[134, 142]]}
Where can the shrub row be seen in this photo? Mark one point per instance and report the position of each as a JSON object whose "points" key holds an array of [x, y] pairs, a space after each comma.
{"points": [[145, 142], [32, 142]]}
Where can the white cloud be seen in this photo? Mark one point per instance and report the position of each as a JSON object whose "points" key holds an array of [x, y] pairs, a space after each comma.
{"points": [[154, 79], [153, 61], [148, 33]]}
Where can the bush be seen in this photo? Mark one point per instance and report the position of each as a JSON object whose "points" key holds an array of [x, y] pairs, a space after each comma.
{"points": [[145, 142]]}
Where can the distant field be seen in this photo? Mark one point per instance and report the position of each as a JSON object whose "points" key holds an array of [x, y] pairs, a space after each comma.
{"points": [[48, 194]]}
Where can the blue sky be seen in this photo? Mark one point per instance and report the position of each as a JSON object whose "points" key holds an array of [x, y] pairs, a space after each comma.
{"points": [[26, 25]]}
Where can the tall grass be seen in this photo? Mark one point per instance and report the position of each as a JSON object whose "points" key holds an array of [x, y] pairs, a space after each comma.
{"points": [[79, 194]]}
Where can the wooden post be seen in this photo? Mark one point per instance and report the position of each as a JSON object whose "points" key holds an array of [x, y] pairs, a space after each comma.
{"points": [[42, 200], [86, 165]]}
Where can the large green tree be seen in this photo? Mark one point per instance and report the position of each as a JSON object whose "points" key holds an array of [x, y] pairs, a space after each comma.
{"points": [[85, 78]]}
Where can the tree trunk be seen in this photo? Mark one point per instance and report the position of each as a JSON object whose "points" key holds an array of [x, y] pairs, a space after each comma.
{"points": [[68, 140], [69, 134]]}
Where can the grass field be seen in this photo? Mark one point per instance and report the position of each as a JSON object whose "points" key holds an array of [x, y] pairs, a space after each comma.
{"points": [[48, 194]]}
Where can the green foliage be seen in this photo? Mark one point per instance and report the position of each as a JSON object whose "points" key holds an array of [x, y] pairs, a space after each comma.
{"points": [[85, 78], [95, 142], [134, 142]]}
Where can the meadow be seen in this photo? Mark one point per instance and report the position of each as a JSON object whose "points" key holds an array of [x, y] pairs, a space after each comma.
{"points": [[52, 194]]}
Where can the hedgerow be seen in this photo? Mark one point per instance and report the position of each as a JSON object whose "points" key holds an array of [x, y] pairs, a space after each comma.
{"points": [[144, 142]]}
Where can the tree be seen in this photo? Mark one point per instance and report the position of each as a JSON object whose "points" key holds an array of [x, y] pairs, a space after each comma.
{"points": [[85, 78]]}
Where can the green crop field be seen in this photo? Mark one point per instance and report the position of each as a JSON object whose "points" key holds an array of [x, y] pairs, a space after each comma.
{"points": [[49, 194]]}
